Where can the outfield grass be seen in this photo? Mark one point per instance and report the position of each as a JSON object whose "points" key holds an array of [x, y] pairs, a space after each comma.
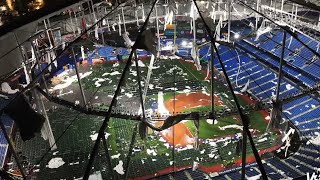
{"points": [[208, 131], [257, 121], [203, 109], [112, 139]]}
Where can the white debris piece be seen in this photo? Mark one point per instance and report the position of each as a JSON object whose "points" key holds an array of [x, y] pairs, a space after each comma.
{"points": [[172, 88], [289, 86], [256, 177], [234, 126], [129, 95], [202, 152], [5, 87], [4, 96], [55, 163], [115, 73], [213, 144], [288, 112], [140, 64], [287, 139], [162, 140], [162, 110], [85, 74], [133, 73], [189, 146], [195, 165], [74, 163], [263, 139], [98, 82], [316, 140], [70, 80], [186, 159], [211, 155], [210, 121], [105, 74], [186, 91], [96, 176], [119, 168], [115, 156], [151, 152], [155, 67], [205, 92], [115, 64], [95, 136]]}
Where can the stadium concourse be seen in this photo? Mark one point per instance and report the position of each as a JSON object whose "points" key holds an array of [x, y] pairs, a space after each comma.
{"points": [[160, 90]]}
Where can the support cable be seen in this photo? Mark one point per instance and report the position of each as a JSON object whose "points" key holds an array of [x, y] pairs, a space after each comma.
{"points": [[117, 92], [276, 109], [143, 115], [243, 118], [133, 139]]}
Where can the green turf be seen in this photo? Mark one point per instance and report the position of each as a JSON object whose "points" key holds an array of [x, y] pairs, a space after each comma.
{"points": [[257, 121], [203, 109], [207, 130], [112, 139], [76, 144]]}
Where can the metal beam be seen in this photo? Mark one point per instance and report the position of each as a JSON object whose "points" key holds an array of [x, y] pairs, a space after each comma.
{"points": [[212, 79], [79, 79]]}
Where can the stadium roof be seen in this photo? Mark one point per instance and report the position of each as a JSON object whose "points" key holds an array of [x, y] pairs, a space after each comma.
{"points": [[16, 17]]}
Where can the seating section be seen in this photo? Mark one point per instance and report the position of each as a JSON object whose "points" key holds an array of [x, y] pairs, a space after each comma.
{"points": [[295, 54], [241, 69], [8, 123]]}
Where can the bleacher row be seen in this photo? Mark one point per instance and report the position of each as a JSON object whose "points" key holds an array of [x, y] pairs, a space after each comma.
{"points": [[306, 160], [303, 112], [262, 82]]}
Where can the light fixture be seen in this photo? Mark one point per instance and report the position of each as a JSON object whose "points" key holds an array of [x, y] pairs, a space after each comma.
{"points": [[236, 35], [184, 43]]}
